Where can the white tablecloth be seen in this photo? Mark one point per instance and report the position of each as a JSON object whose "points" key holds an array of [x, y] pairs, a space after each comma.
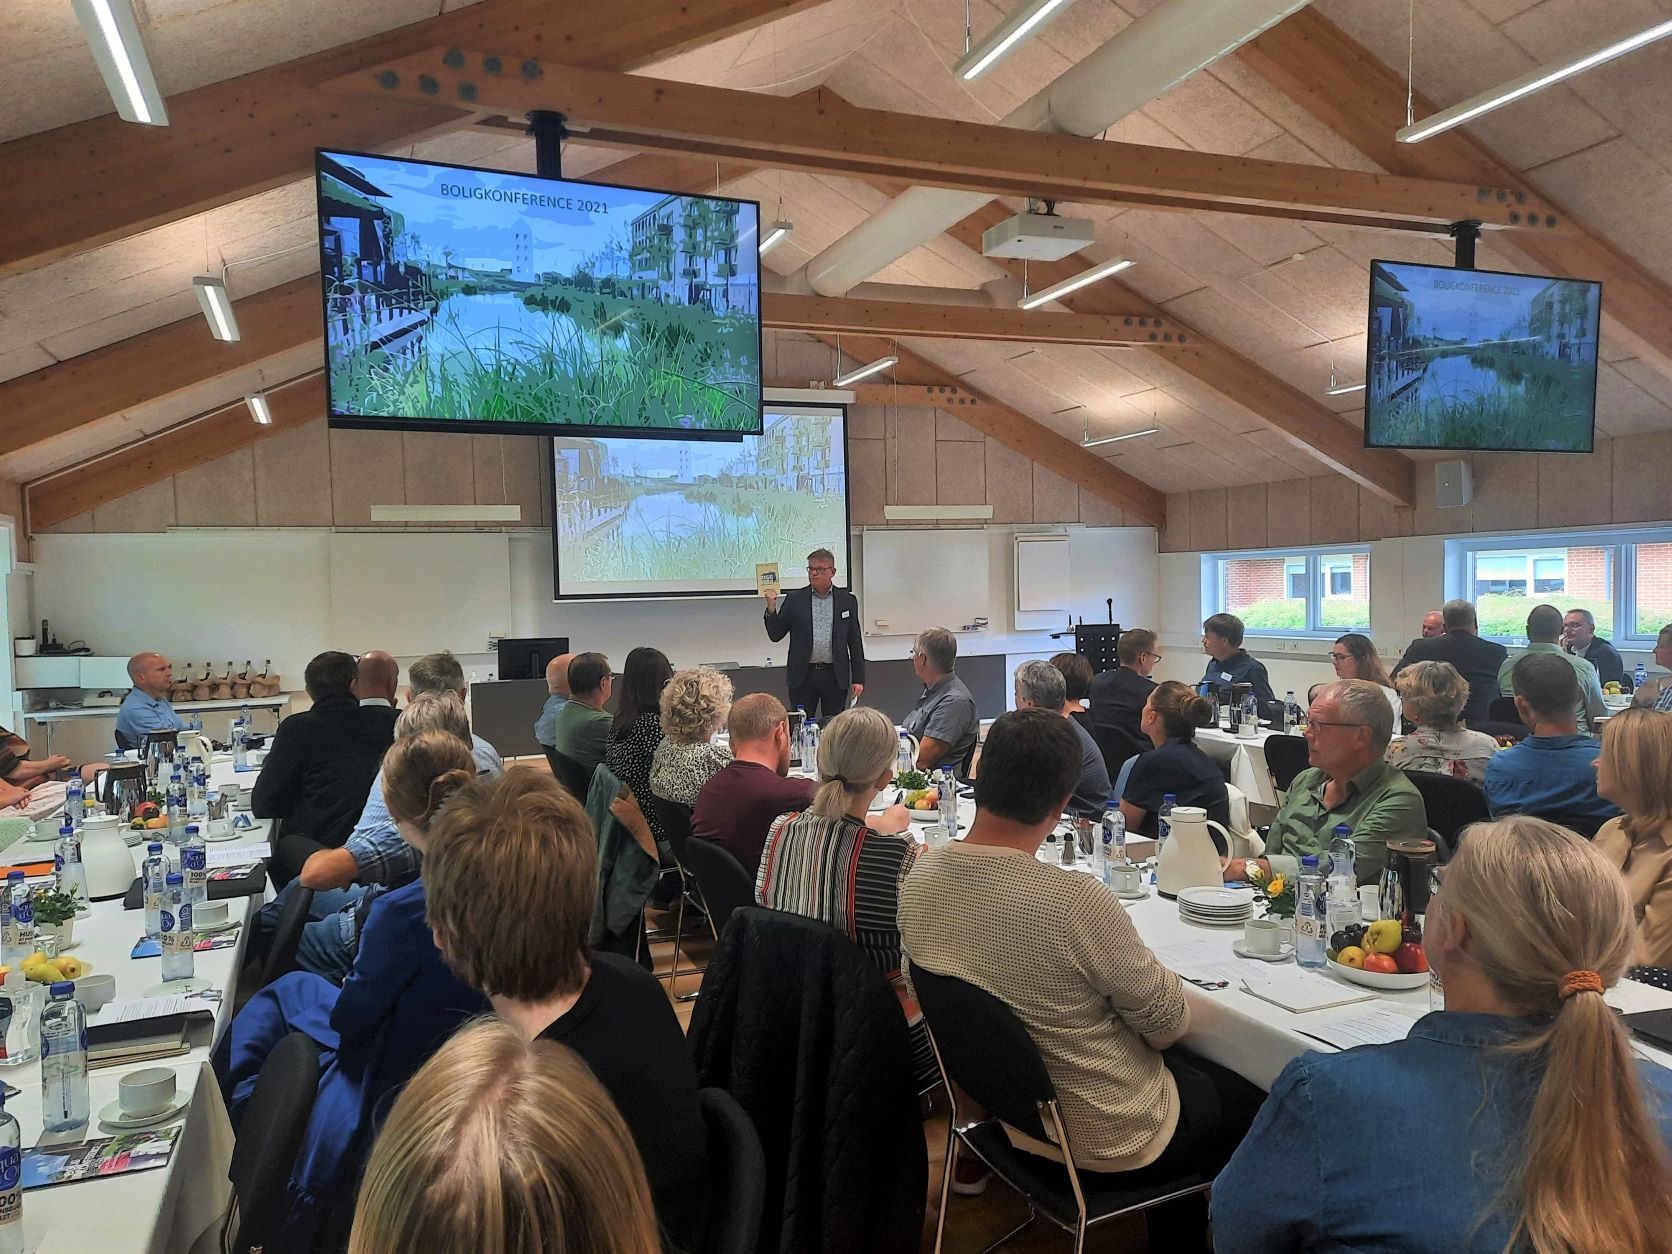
{"points": [[1245, 760]]}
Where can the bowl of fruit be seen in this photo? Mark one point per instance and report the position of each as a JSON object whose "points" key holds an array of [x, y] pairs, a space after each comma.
{"points": [[1386, 954], [923, 804]]}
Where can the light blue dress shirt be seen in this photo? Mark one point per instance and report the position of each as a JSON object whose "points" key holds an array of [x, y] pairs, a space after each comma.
{"points": [[1546, 775], [545, 727], [140, 712]]}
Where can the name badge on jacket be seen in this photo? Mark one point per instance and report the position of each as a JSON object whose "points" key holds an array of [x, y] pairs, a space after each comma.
{"points": [[845, 613]]}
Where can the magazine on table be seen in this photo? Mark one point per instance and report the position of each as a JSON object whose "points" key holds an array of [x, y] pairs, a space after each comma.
{"points": [[100, 1156]]}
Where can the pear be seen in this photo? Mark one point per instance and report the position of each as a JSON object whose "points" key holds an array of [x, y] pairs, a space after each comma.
{"points": [[69, 968]]}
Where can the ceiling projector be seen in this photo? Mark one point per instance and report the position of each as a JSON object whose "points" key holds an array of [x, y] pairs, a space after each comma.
{"points": [[1036, 237]]}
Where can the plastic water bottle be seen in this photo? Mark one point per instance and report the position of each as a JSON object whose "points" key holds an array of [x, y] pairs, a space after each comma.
{"points": [[240, 744], [249, 723], [75, 809], [66, 861], [11, 1183], [17, 924], [177, 935], [903, 760], [63, 1061], [1112, 837], [1344, 909], [1310, 919], [948, 802], [810, 744], [1291, 713], [1249, 725], [153, 875], [197, 792], [1164, 822], [1639, 677], [176, 806], [194, 865], [20, 1015]]}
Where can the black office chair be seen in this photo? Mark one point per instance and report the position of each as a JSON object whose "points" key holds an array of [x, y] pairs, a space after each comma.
{"points": [[1502, 710], [1117, 745], [1287, 758], [986, 1052], [1452, 804], [571, 774], [1587, 825], [725, 885], [675, 821], [287, 934], [737, 1175], [269, 1138]]}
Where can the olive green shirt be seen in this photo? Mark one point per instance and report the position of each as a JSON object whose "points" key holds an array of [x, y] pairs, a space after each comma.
{"points": [[1381, 805]]}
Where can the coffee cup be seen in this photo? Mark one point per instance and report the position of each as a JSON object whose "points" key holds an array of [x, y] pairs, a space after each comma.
{"points": [[208, 914], [1263, 936], [147, 1092], [1127, 879], [95, 992], [1370, 902]]}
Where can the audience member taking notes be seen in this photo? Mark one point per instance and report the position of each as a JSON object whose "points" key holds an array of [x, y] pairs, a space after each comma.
{"points": [[1553, 771], [1040, 686], [1176, 765], [1229, 663], [1432, 696], [1544, 629], [944, 720], [1460, 644], [1634, 771], [1515, 1118], [738, 805], [694, 706]]}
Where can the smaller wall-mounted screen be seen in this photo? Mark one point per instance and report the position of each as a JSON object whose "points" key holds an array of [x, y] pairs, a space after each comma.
{"points": [[466, 299], [658, 518], [1475, 359]]}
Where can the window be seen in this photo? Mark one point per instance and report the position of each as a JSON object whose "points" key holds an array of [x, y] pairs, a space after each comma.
{"points": [[1624, 578], [1309, 592]]}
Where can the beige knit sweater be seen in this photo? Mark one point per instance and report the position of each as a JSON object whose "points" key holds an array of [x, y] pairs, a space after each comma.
{"points": [[1058, 949]]}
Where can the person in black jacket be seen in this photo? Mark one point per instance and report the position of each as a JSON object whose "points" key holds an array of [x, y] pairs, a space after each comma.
{"points": [[1579, 637], [1118, 696], [322, 761], [827, 655], [1476, 660]]}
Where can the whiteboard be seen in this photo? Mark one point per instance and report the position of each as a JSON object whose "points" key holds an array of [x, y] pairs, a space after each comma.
{"points": [[1042, 584], [412, 594], [917, 578]]}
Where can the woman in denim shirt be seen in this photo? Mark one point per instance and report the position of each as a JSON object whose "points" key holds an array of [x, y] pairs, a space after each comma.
{"points": [[1515, 1119]]}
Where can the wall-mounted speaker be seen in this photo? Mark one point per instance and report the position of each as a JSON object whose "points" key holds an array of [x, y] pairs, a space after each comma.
{"points": [[1454, 486]]}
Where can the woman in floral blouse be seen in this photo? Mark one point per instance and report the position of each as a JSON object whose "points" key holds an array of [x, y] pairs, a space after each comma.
{"points": [[694, 706], [1433, 695]]}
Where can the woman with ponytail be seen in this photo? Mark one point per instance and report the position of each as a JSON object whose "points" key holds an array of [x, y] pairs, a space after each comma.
{"points": [[396, 1006], [1515, 1120]]}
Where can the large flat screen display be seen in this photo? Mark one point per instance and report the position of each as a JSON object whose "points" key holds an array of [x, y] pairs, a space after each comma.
{"points": [[466, 299], [1475, 359], [658, 518]]}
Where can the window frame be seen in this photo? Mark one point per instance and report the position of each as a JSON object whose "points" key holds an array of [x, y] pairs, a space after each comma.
{"points": [[1620, 546], [1317, 585]]}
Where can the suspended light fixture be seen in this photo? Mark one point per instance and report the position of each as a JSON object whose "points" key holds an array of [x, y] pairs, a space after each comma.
{"points": [[217, 307], [1006, 37], [1527, 84], [1085, 278], [112, 33], [864, 372], [1116, 439], [775, 234], [257, 401], [1340, 389]]}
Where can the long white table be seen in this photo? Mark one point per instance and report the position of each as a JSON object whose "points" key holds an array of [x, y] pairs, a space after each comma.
{"points": [[1244, 760]]}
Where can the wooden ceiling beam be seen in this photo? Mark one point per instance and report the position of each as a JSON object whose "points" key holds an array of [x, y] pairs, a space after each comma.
{"points": [[1301, 419], [819, 131], [215, 434], [1337, 80], [922, 319], [94, 182], [1012, 428]]}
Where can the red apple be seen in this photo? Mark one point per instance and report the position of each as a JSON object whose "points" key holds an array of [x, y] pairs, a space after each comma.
{"points": [[1383, 964], [1410, 958]]}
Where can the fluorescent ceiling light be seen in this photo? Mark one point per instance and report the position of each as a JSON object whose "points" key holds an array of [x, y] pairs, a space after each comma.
{"points": [[258, 408], [1527, 84], [447, 513], [776, 232], [863, 372], [928, 513], [1343, 389], [1084, 279], [1004, 38], [113, 34], [1116, 439], [217, 307]]}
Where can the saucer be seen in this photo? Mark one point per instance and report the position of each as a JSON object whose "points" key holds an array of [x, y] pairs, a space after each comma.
{"points": [[112, 1117], [1137, 896], [1282, 955], [218, 928]]}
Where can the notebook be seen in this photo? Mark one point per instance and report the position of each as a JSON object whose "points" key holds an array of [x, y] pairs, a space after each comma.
{"points": [[136, 1040], [1302, 991]]}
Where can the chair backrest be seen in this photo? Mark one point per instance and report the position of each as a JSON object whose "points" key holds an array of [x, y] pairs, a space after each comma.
{"points": [[1452, 804], [984, 1049], [724, 884], [675, 822], [737, 1175], [1117, 745], [570, 773], [1587, 825], [1287, 758], [1502, 710], [287, 934], [269, 1138]]}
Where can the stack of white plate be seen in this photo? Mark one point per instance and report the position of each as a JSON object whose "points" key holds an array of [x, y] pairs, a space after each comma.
{"points": [[1216, 907]]}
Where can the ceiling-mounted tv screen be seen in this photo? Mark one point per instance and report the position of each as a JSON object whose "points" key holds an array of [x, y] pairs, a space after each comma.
{"points": [[1476, 359], [461, 299], [659, 518]]}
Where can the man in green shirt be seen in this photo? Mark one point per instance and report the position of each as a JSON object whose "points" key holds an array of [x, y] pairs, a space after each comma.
{"points": [[582, 729], [1348, 726], [1544, 629]]}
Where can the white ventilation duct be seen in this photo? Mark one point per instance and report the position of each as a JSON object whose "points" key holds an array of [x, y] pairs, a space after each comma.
{"points": [[1157, 52]]}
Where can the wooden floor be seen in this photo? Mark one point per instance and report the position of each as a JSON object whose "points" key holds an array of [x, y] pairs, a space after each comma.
{"points": [[974, 1222]]}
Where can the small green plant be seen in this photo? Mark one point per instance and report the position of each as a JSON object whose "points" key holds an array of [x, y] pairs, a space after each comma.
{"points": [[53, 907], [912, 780]]}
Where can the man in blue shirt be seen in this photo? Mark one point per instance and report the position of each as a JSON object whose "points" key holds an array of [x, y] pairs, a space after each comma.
{"points": [[1552, 773], [557, 696], [1229, 663], [146, 707]]}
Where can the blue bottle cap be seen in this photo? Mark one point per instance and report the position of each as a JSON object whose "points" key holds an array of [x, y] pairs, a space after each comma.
{"points": [[190, 828], [1341, 829], [156, 846], [174, 877], [63, 990], [1309, 860], [13, 877], [1169, 796]]}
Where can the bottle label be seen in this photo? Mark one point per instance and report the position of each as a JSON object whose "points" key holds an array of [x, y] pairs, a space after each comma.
{"points": [[11, 1179], [23, 911]]}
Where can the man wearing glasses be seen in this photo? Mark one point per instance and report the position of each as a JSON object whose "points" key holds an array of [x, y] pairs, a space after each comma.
{"points": [[1118, 696], [827, 654], [1348, 726]]}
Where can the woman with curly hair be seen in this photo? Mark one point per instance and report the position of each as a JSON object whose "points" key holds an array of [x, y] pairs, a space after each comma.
{"points": [[694, 706]]}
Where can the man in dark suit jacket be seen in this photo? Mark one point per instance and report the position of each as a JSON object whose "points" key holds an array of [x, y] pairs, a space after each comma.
{"points": [[827, 655], [1118, 696], [1476, 660]]}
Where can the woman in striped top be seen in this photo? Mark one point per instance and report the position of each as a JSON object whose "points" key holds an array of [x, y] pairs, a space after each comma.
{"points": [[842, 865]]}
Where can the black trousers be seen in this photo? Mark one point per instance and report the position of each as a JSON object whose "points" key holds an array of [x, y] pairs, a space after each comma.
{"points": [[819, 691]]}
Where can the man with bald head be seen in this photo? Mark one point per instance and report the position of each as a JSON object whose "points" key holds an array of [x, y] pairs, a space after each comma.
{"points": [[1433, 624], [377, 678], [146, 707], [557, 696]]}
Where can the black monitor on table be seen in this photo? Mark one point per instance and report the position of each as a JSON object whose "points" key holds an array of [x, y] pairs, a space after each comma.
{"points": [[527, 658]]}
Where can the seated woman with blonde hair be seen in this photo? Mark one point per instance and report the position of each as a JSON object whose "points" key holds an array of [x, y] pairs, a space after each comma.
{"points": [[694, 705], [1517, 1118], [502, 1145], [1634, 771], [1433, 696]]}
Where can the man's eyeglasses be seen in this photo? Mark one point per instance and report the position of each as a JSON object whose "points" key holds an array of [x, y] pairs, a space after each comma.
{"points": [[1318, 722], [1154, 657], [821, 570]]}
